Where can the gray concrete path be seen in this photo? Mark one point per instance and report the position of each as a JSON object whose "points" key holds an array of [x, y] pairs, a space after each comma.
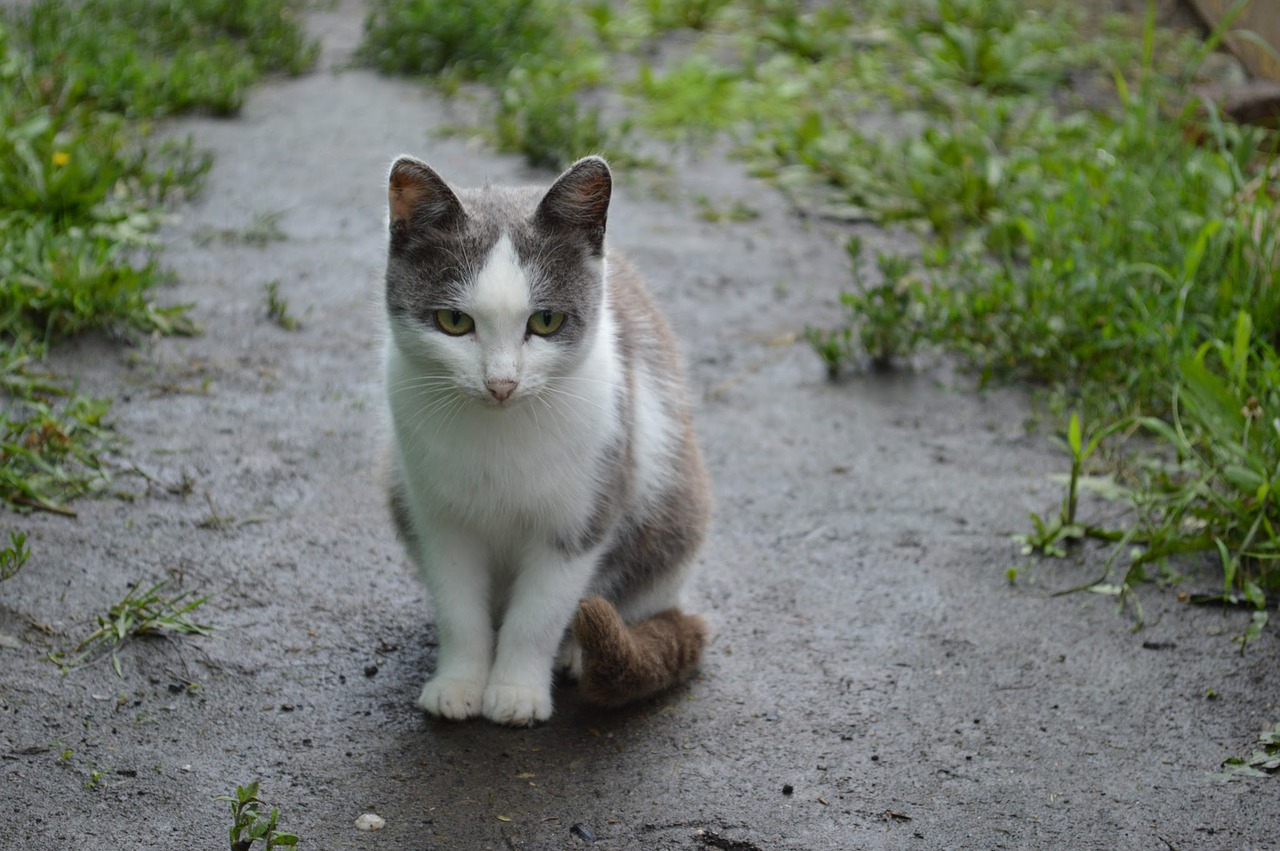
{"points": [[875, 682]]}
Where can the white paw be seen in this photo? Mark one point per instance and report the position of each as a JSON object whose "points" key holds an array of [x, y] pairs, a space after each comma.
{"points": [[518, 706], [569, 660], [452, 698]]}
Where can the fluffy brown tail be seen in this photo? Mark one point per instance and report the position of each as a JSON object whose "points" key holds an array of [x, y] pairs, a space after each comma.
{"points": [[624, 662]]}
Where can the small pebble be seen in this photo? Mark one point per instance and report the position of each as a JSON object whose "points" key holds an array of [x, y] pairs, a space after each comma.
{"points": [[370, 821]]}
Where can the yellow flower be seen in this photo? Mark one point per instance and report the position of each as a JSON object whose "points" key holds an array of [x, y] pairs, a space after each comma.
{"points": [[61, 158]]}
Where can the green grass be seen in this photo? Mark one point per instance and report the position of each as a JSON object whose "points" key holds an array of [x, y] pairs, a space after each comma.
{"points": [[539, 57], [140, 613], [144, 58], [82, 181]]}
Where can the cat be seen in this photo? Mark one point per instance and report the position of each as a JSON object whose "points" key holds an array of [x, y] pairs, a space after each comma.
{"points": [[545, 476]]}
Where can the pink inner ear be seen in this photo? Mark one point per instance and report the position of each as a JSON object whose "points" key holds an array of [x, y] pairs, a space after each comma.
{"points": [[591, 185], [580, 197], [591, 189], [404, 195]]}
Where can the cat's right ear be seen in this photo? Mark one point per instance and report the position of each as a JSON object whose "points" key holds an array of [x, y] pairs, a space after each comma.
{"points": [[579, 200], [418, 198]]}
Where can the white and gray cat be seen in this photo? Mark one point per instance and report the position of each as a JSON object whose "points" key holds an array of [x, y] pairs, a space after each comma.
{"points": [[546, 480]]}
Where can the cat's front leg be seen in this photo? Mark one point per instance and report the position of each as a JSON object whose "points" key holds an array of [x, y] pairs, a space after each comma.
{"points": [[544, 597], [456, 572]]}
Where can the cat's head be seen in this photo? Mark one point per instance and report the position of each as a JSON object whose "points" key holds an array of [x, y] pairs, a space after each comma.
{"points": [[496, 292]]}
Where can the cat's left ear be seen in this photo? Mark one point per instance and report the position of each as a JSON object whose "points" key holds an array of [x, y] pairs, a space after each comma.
{"points": [[579, 200], [419, 197]]}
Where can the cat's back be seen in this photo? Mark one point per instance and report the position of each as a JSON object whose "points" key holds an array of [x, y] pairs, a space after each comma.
{"points": [[645, 339]]}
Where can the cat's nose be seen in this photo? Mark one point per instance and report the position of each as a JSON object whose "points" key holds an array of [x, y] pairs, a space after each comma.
{"points": [[501, 390]]}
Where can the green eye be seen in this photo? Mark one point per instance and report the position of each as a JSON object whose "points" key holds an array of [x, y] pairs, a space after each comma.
{"points": [[454, 322], [544, 323]]}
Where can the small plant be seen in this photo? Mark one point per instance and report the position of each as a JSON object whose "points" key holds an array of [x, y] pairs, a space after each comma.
{"points": [[891, 318], [1052, 536], [14, 556], [1263, 762], [834, 346], [278, 308], [250, 825], [140, 613]]}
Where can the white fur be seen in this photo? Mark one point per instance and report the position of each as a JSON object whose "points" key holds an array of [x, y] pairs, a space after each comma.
{"points": [[489, 484]]}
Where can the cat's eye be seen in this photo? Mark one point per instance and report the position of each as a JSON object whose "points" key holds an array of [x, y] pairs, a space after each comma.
{"points": [[544, 323], [454, 322]]}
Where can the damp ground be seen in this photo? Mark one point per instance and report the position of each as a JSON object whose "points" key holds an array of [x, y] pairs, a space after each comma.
{"points": [[875, 681]]}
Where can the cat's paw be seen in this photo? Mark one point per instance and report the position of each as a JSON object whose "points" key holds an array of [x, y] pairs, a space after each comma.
{"points": [[450, 698], [516, 705]]}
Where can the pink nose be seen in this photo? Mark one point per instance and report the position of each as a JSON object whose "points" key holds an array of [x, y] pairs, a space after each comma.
{"points": [[501, 390]]}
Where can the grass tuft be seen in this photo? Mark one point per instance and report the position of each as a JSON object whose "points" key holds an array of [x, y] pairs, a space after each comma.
{"points": [[539, 56], [140, 613], [278, 308]]}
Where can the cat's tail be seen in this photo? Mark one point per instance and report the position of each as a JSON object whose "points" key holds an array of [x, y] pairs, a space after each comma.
{"points": [[623, 662]]}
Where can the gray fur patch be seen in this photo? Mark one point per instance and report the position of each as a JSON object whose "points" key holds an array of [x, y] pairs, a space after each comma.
{"points": [[432, 268]]}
